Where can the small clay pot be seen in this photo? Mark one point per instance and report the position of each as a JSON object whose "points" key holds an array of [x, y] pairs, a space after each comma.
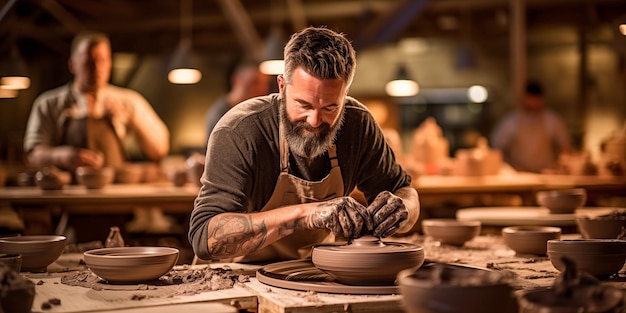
{"points": [[367, 260], [94, 178], [530, 239], [51, 178], [563, 201], [598, 257], [451, 231]]}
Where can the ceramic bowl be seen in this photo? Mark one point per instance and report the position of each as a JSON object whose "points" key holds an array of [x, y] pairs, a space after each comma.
{"points": [[598, 257], [367, 260], [592, 299], [94, 178], [129, 174], [131, 264], [563, 201], [451, 231], [529, 239], [51, 178], [12, 261], [436, 288], [37, 251], [605, 226]]}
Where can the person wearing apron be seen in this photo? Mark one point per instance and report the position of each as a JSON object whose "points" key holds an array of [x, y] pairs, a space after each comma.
{"points": [[280, 168]]}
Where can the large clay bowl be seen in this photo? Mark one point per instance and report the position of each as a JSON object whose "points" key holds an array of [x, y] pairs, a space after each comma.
{"points": [[563, 201], [51, 178], [451, 231], [529, 239], [439, 288], [598, 257], [367, 261], [37, 251], [131, 264], [606, 226], [94, 178]]}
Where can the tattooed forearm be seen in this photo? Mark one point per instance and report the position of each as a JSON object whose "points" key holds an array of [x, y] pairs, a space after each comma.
{"points": [[233, 235]]}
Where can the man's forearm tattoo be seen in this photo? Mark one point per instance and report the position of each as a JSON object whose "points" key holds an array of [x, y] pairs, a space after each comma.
{"points": [[235, 235]]}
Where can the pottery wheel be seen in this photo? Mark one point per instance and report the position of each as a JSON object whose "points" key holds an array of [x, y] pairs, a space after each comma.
{"points": [[303, 275]]}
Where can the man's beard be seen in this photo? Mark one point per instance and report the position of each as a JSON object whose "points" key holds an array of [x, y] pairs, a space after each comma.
{"points": [[301, 141]]}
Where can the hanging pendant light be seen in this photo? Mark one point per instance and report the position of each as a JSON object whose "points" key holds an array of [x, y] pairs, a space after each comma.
{"points": [[183, 69], [272, 62], [13, 73], [402, 85]]}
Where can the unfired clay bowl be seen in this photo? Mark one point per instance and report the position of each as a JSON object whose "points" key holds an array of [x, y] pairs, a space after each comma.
{"points": [[367, 260], [437, 288], [95, 178], [606, 226], [37, 251], [529, 239], [129, 174], [131, 264], [562, 201], [451, 231], [598, 257], [51, 178]]}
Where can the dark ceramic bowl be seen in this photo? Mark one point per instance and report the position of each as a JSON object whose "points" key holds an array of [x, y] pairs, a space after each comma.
{"points": [[131, 264], [437, 288], [451, 231], [563, 201], [598, 257], [37, 251], [529, 239], [367, 261]]}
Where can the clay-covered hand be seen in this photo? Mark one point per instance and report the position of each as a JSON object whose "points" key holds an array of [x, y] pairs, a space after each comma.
{"points": [[343, 216], [387, 212]]}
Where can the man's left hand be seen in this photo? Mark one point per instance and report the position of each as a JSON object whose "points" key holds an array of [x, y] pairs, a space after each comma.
{"points": [[387, 212]]}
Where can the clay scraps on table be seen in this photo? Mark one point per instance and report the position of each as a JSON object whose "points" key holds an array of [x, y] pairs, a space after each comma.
{"points": [[182, 281]]}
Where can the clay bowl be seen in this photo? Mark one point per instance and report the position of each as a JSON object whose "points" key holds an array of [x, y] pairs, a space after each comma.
{"points": [[598, 257], [37, 251], [94, 178], [129, 174], [437, 288], [367, 260], [131, 264], [451, 231], [12, 261], [591, 299], [529, 239], [606, 226], [562, 201], [50, 178]]}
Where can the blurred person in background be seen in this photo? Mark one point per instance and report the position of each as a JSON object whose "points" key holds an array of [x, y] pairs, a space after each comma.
{"points": [[245, 81], [89, 122], [532, 137]]}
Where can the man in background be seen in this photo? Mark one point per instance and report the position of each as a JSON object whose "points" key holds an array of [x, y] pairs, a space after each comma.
{"points": [[532, 137]]}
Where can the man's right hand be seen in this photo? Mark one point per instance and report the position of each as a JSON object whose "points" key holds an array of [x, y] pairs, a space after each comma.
{"points": [[71, 157], [343, 216]]}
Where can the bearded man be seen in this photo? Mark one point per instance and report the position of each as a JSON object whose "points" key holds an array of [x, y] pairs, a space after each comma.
{"points": [[280, 168]]}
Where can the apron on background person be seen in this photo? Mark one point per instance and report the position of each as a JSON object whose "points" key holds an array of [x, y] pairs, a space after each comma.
{"points": [[290, 190]]}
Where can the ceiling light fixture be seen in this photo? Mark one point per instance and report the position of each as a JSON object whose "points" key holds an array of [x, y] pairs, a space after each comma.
{"points": [[273, 63], [402, 85], [183, 69], [13, 73]]}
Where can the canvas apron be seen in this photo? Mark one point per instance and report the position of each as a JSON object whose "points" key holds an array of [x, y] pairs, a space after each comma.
{"points": [[290, 190], [96, 134]]}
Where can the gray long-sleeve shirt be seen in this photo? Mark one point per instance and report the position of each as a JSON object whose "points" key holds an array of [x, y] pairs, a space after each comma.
{"points": [[243, 162]]}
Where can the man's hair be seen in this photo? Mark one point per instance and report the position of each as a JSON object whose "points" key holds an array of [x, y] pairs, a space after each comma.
{"points": [[91, 37], [322, 53]]}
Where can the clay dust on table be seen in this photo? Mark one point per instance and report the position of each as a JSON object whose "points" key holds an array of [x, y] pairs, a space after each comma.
{"points": [[177, 282]]}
